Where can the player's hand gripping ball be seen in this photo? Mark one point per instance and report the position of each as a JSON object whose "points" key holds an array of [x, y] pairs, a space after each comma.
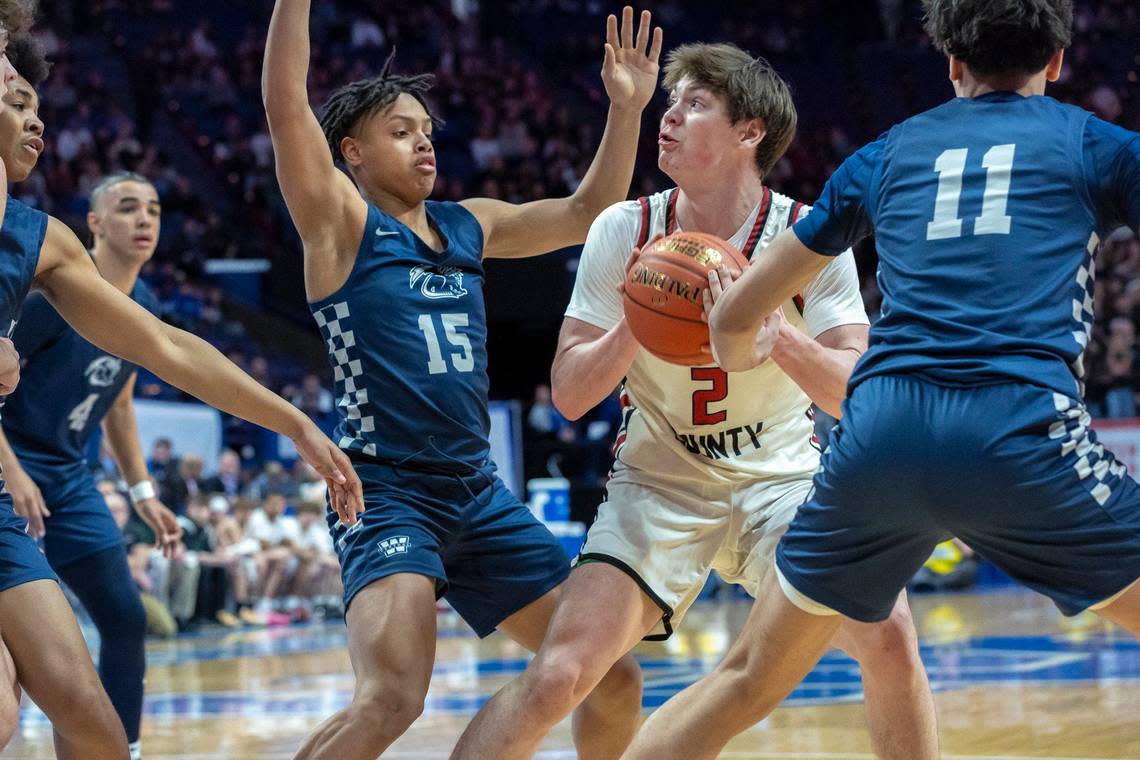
{"points": [[664, 294]]}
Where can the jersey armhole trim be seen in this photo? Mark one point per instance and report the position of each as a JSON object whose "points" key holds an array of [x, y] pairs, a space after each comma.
{"points": [[643, 235]]}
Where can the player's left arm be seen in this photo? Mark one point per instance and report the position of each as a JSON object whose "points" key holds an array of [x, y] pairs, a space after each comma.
{"points": [[112, 321], [834, 314], [629, 72], [121, 432]]}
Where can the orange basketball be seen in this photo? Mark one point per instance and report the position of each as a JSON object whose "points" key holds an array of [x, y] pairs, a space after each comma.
{"points": [[664, 294]]}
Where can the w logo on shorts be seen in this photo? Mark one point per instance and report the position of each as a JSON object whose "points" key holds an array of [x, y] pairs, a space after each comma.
{"points": [[394, 545]]}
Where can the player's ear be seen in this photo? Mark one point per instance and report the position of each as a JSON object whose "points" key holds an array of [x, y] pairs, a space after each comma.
{"points": [[1053, 68], [752, 132], [93, 223], [350, 149], [957, 69]]}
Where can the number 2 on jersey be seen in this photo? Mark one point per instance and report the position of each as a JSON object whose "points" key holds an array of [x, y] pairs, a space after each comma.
{"points": [[706, 396], [462, 359], [950, 166]]}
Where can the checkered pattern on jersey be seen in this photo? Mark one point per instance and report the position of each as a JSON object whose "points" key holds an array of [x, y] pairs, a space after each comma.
{"points": [[1096, 467], [335, 322], [1083, 307]]}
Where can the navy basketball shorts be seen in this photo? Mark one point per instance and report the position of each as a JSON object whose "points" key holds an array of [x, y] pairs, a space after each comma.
{"points": [[21, 561], [489, 555], [1011, 469], [80, 524]]}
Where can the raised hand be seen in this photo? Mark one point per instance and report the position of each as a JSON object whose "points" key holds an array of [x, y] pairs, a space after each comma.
{"points": [[629, 71]]}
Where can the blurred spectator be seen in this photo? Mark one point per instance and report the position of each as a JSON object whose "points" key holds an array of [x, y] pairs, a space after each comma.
{"points": [[316, 584], [227, 477], [277, 537]]}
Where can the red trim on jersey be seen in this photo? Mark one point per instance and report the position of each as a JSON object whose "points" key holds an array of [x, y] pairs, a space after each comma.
{"points": [[797, 207], [626, 412], [643, 236], [671, 212], [758, 226], [798, 300], [814, 440]]}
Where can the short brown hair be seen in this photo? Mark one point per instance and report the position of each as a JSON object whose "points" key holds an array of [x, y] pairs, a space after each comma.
{"points": [[16, 16], [751, 86]]}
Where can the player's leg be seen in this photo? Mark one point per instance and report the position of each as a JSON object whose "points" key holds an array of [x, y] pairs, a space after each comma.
{"points": [[1124, 609], [84, 546], [390, 597], [102, 582], [779, 645], [580, 632], [629, 584], [391, 644], [55, 669], [823, 559], [896, 692], [9, 696]]}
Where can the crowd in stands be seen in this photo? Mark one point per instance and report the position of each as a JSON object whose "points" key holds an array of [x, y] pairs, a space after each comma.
{"points": [[257, 550]]}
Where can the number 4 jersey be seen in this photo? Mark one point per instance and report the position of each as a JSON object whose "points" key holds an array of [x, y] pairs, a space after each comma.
{"points": [[756, 423], [407, 339], [67, 385], [987, 212]]}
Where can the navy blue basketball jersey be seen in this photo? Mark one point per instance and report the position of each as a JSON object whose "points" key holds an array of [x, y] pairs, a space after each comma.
{"points": [[406, 337], [66, 387], [21, 237], [987, 212]]}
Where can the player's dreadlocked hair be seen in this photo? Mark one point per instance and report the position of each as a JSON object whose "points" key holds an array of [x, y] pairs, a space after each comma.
{"points": [[349, 105], [996, 37], [17, 15], [27, 58]]}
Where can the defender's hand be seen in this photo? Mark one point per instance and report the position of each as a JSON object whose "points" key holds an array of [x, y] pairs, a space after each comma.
{"points": [[167, 531], [629, 71], [732, 355], [27, 500], [346, 495], [9, 366]]}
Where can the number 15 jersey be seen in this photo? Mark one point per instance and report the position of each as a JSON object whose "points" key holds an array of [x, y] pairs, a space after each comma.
{"points": [[407, 339], [752, 424], [987, 212]]}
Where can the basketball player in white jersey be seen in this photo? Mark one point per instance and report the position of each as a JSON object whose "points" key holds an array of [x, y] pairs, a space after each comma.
{"points": [[710, 466]]}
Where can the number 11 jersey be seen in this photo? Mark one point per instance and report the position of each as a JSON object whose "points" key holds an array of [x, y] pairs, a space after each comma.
{"points": [[987, 213]]}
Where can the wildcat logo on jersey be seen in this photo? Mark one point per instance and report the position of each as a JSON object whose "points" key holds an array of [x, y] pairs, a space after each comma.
{"points": [[446, 282], [394, 545], [103, 371]]}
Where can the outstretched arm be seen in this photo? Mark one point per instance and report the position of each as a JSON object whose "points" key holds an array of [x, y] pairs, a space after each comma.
{"points": [[629, 72], [115, 323], [323, 202]]}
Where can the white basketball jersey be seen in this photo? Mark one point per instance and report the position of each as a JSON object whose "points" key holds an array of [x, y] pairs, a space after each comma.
{"points": [[754, 424]]}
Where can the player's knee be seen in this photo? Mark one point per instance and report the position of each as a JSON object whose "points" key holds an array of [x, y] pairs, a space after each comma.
{"points": [[892, 644], [388, 708], [621, 684], [558, 682]]}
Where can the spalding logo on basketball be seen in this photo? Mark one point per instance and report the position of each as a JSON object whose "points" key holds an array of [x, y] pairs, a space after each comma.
{"points": [[664, 294]]}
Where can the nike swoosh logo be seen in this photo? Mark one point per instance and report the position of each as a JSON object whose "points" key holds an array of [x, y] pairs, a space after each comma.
{"points": [[384, 233]]}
